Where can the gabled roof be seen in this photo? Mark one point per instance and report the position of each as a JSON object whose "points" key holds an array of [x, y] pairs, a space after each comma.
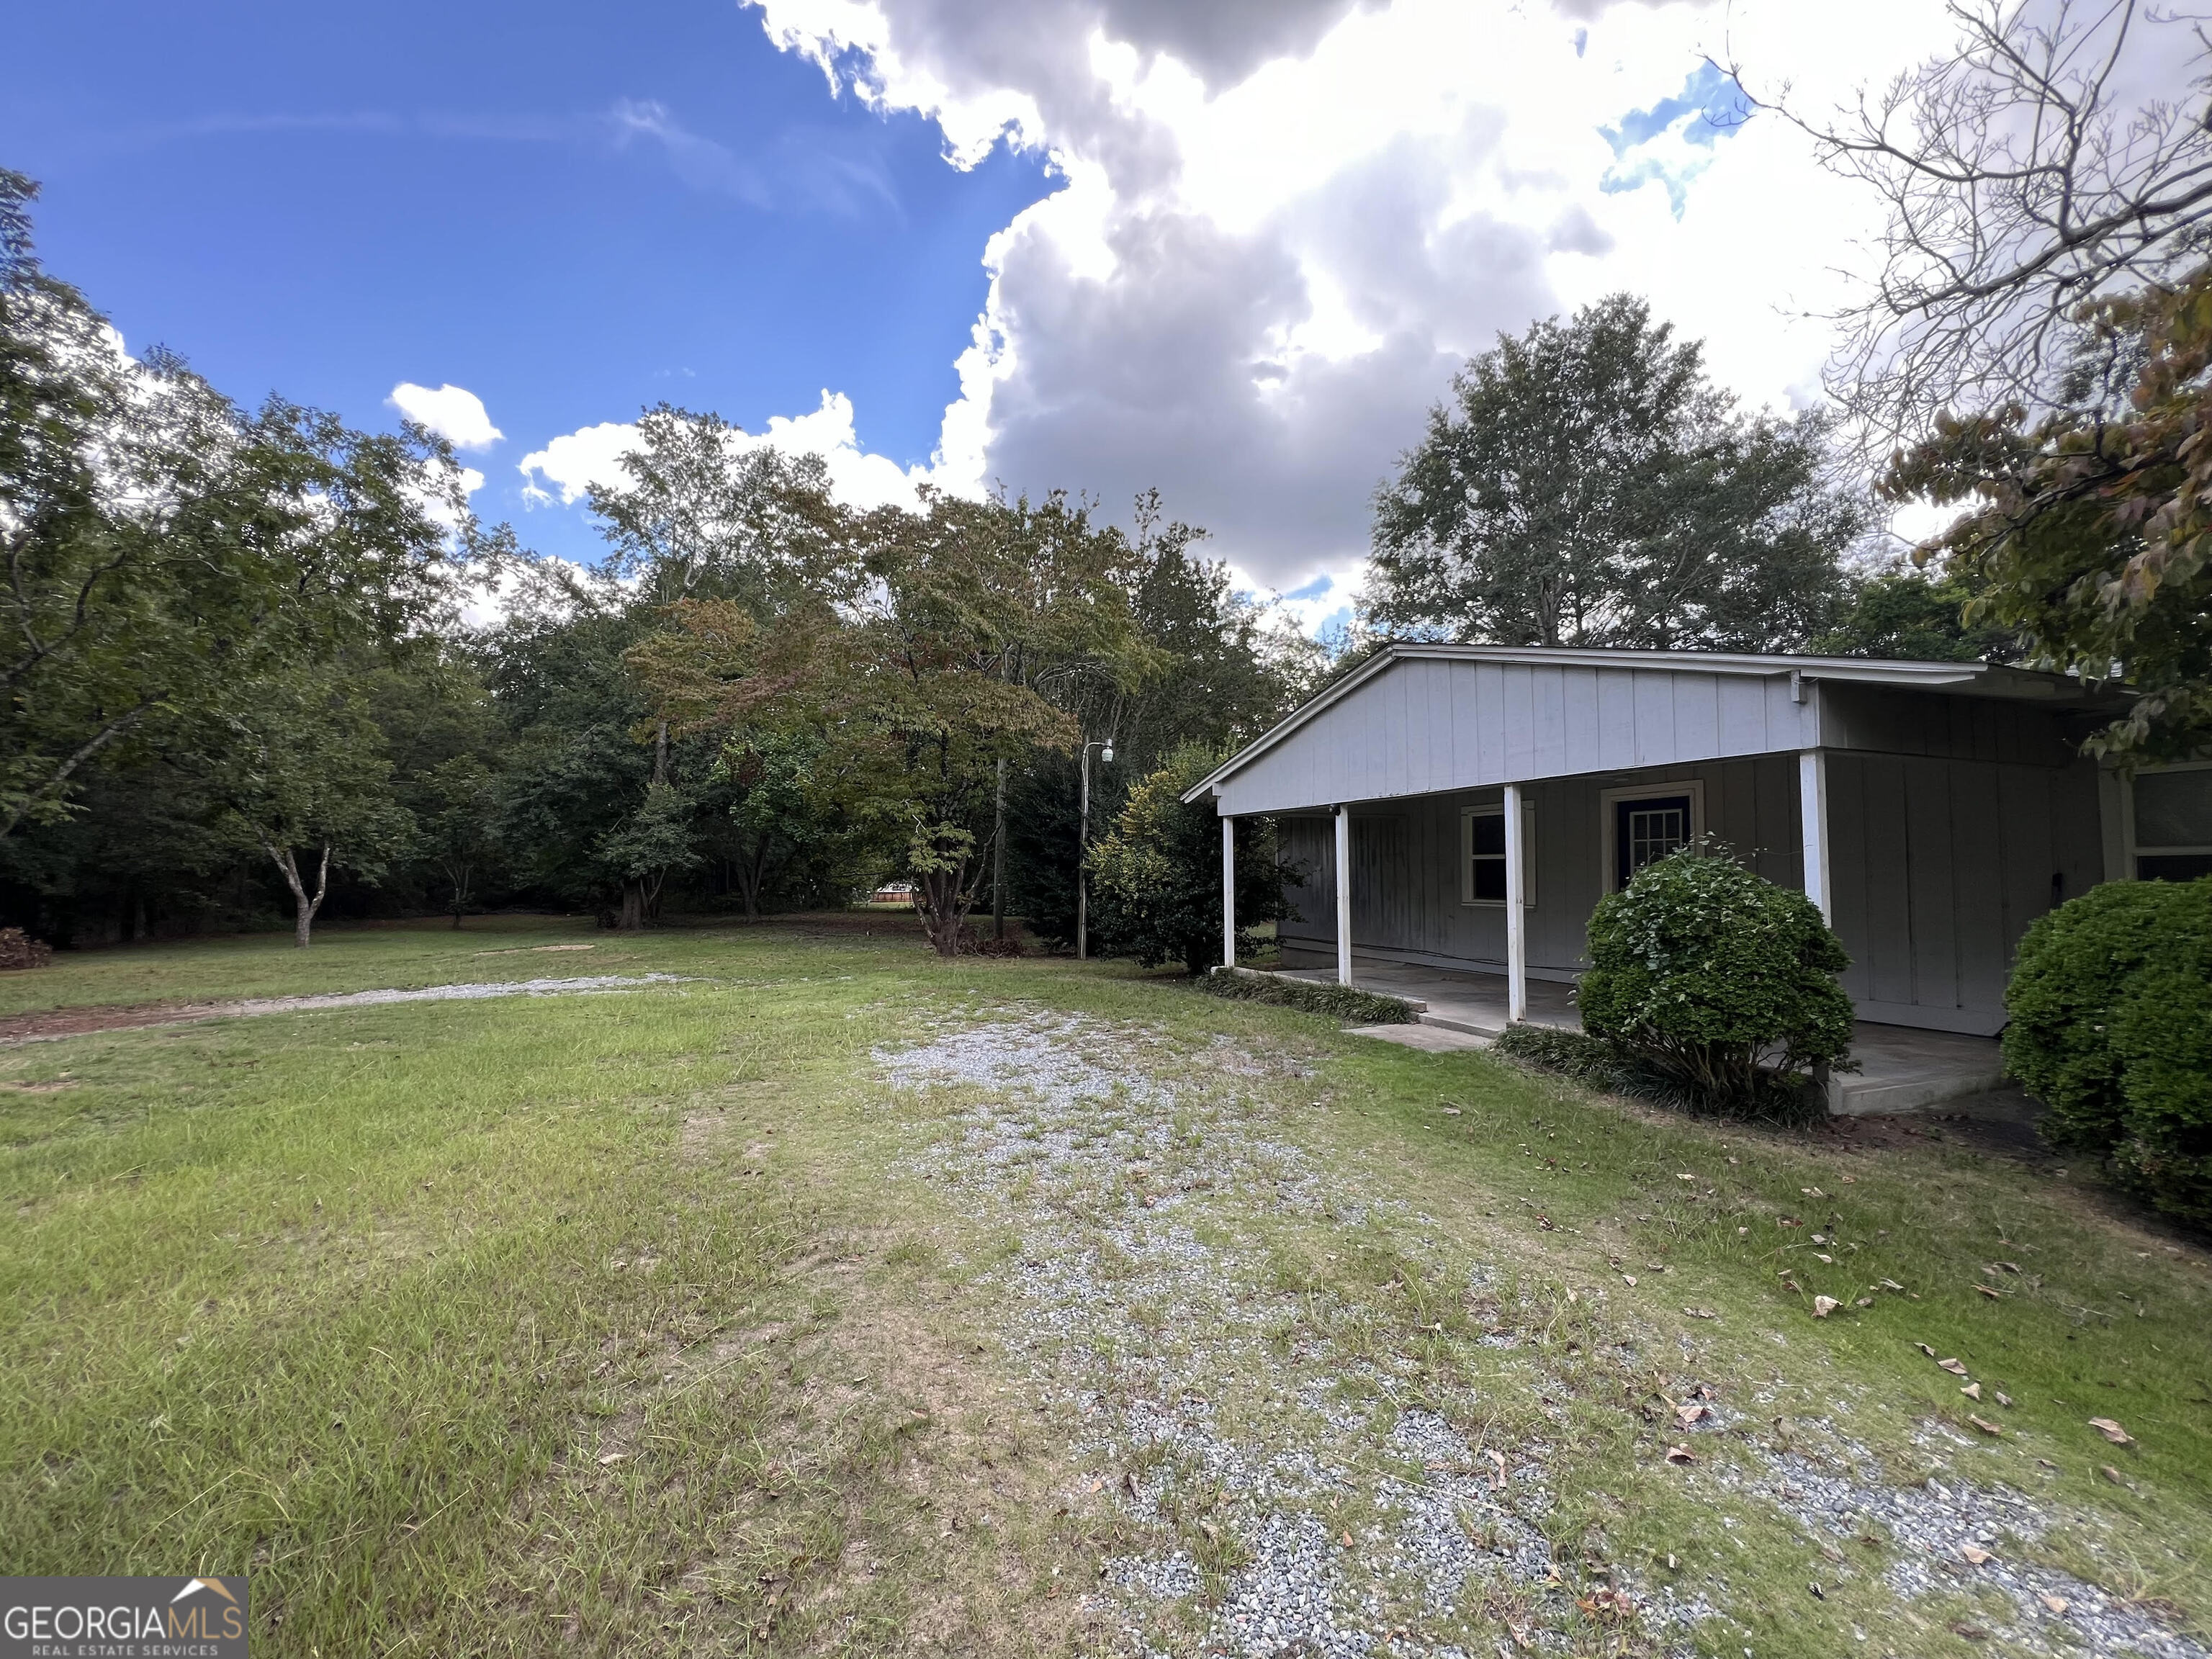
{"points": [[1971, 679]]}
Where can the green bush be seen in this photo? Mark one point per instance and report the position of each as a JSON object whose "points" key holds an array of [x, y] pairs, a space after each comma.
{"points": [[1577, 1055], [1336, 1001], [1156, 888], [2110, 1012], [1712, 979]]}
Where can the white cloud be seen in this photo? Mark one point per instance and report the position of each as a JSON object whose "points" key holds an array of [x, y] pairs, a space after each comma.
{"points": [[569, 465], [1285, 226], [454, 413]]}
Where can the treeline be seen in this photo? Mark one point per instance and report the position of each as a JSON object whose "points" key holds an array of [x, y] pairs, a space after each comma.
{"points": [[242, 682]]}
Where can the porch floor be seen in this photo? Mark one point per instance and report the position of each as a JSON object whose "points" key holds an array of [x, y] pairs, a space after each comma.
{"points": [[1901, 1069]]}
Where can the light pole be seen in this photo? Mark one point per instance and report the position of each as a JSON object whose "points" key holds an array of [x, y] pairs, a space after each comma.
{"points": [[1105, 748]]}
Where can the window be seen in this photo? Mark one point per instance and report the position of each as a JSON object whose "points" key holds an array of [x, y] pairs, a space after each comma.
{"points": [[1645, 824], [1482, 855], [2172, 837]]}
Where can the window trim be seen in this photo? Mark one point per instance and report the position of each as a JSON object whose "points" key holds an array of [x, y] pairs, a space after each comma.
{"points": [[1608, 851], [1496, 809], [2136, 852]]}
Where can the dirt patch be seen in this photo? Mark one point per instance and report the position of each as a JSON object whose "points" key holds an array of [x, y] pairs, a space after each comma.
{"points": [[57, 1023]]}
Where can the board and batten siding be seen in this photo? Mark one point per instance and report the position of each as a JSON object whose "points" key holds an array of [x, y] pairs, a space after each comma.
{"points": [[1406, 886], [1427, 726]]}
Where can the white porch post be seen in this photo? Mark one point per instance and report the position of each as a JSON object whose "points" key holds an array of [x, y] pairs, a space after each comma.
{"points": [[1343, 896], [1228, 891], [1516, 913], [1813, 820]]}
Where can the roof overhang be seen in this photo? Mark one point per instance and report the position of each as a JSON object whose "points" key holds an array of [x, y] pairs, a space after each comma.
{"points": [[1969, 679]]}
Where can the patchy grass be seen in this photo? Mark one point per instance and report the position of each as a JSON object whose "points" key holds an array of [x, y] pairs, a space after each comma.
{"points": [[358, 1302]]}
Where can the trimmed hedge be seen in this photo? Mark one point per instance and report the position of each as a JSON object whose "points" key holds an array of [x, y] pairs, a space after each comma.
{"points": [[1717, 981], [2110, 1012], [1336, 1001]]}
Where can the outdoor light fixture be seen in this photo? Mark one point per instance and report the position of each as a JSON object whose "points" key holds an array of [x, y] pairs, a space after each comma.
{"points": [[1105, 748]]}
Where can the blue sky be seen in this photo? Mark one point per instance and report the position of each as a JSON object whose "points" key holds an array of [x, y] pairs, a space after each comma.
{"points": [[572, 211]]}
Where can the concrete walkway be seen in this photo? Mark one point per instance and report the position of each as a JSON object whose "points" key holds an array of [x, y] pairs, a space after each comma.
{"points": [[1900, 1069]]}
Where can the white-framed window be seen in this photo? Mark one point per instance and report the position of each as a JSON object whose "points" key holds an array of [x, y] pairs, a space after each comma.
{"points": [[2169, 822], [1482, 855], [1643, 823]]}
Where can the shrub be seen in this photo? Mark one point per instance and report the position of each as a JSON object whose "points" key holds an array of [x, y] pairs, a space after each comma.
{"points": [[1336, 1001], [2111, 1027], [1712, 979], [18, 950], [1577, 1055], [1156, 893]]}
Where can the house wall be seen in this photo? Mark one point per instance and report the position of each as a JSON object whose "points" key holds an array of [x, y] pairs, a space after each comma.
{"points": [[1428, 726], [1938, 866], [1406, 874]]}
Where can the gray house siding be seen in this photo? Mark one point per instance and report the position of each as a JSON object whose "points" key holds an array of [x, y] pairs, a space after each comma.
{"points": [[1427, 726], [1939, 865], [1405, 885]]}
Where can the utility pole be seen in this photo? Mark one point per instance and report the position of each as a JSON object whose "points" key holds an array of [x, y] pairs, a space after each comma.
{"points": [[1105, 746]]}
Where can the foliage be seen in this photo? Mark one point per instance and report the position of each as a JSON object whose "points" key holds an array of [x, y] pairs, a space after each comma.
{"points": [[2110, 1024], [18, 950], [1587, 484], [1716, 979], [458, 821], [2091, 528], [1911, 616], [1587, 1058], [1157, 875], [1342, 1002]]}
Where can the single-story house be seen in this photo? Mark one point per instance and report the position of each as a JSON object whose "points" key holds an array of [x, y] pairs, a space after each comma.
{"points": [[1482, 799]]}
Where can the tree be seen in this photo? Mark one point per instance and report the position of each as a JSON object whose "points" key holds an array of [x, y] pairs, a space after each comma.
{"points": [[2090, 531], [1159, 872], [2019, 186], [1586, 485], [1906, 615], [459, 820], [299, 768]]}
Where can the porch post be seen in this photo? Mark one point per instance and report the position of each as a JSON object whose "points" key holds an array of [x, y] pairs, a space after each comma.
{"points": [[1813, 821], [1516, 913], [1343, 896], [1228, 891]]}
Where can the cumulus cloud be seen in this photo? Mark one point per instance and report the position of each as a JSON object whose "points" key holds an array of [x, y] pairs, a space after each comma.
{"points": [[454, 413], [1283, 227], [565, 469]]}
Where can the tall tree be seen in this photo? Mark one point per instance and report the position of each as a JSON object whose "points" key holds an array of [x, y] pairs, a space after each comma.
{"points": [[1586, 484], [1906, 615]]}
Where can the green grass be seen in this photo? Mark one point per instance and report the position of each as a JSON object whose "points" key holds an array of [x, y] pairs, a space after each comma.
{"points": [[334, 1298]]}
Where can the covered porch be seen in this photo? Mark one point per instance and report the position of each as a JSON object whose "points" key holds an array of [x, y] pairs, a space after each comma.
{"points": [[1900, 1069]]}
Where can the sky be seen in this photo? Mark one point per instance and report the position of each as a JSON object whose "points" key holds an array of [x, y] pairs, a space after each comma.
{"points": [[1234, 250]]}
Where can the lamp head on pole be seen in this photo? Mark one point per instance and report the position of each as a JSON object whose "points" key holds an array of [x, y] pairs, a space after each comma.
{"points": [[1106, 750]]}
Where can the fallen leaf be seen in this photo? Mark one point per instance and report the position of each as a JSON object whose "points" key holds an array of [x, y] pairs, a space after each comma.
{"points": [[1211, 1531], [2004, 1398], [1129, 1482], [2111, 1431], [1812, 1192], [1993, 1296], [1701, 1313], [1923, 1346], [1821, 1255], [1866, 1301], [1955, 1367], [1680, 1455], [2009, 1266], [1690, 1411], [612, 1457], [2056, 1603], [1892, 1284], [1451, 1111], [1972, 1391], [1628, 1278], [1497, 1458], [1792, 1284], [1975, 1555], [1850, 1179], [1984, 1423], [1686, 1176], [1819, 1594], [2111, 1474], [1825, 1305], [1347, 1540]]}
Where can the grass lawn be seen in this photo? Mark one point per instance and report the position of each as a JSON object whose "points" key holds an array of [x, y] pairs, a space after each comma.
{"points": [[833, 1299]]}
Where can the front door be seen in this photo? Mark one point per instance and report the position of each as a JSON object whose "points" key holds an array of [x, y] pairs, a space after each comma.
{"points": [[1646, 829]]}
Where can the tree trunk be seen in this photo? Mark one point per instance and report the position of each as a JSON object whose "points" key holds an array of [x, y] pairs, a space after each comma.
{"points": [[944, 910], [632, 920], [999, 859], [303, 906]]}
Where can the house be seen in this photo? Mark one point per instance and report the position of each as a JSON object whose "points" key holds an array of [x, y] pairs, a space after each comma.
{"points": [[1482, 799]]}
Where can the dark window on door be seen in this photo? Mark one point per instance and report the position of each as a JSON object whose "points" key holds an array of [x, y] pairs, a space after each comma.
{"points": [[1486, 846], [1646, 830]]}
